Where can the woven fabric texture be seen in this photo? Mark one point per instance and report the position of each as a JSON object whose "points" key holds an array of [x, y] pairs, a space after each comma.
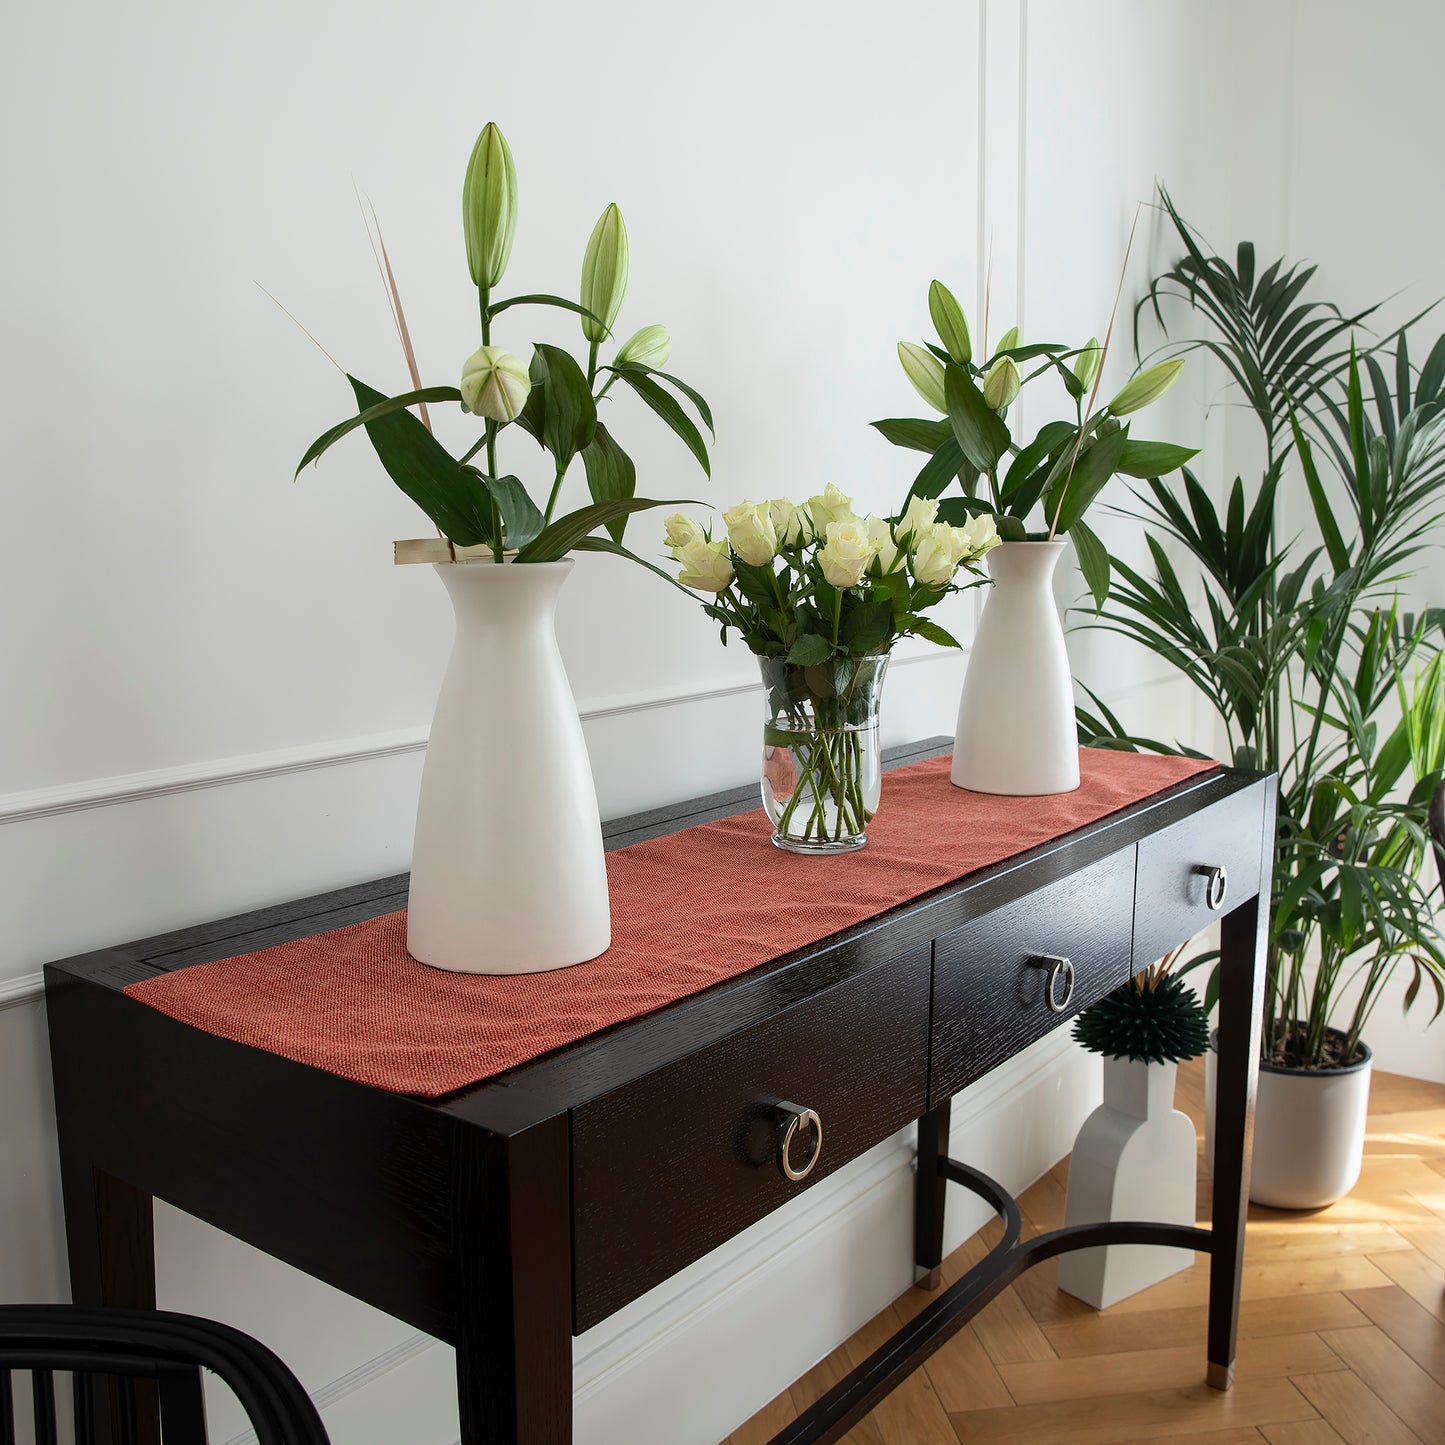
{"points": [[688, 911]]}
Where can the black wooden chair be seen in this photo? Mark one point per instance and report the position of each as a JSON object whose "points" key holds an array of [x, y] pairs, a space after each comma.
{"points": [[110, 1352]]}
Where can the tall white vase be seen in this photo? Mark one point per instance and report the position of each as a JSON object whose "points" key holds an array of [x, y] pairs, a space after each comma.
{"points": [[507, 870], [1016, 729], [1134, 1159]]}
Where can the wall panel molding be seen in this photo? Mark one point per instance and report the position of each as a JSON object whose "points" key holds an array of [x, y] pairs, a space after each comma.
{"points": [[21, 807]]}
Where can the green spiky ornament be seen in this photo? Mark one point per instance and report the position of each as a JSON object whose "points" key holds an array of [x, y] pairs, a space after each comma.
{"points": [[1160, 1021]]}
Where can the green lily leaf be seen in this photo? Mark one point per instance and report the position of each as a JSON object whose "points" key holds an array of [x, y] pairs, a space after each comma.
{"points": [[668, 408], [914, 432], [454, 497], [1093, 563], [692, 394], [385, 407], [1147, 460], [569, 414], [981, 434], [556, 540], [605, 544], [521, 518], [610, 474], [1073, 491], [541, 299]]}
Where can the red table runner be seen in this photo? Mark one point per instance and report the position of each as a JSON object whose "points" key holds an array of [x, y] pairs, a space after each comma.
{"points": [[688, 910]]}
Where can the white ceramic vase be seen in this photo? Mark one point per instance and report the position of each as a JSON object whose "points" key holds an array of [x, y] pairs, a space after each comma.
{"points": [[1016, 729], [507, 870], [1309, 1132], [1134, 1159]]}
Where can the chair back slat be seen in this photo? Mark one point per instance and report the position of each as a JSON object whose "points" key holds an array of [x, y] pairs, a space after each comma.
{"points": [[183, 1405], [42, 1392]]}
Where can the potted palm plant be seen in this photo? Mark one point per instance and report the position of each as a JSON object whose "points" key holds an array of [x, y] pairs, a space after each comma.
{"points": [[1303, 651]]}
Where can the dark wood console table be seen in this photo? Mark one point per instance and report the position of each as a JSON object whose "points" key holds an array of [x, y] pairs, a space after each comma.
{"points": [[510, 1216]]}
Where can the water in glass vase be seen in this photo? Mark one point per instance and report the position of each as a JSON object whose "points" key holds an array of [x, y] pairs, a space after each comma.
{"points": [[822, 768]]}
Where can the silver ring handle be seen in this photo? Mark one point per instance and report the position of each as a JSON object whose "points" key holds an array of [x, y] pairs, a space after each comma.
{"points": [[1059, 968], [1216, 885], [791, 1120]]}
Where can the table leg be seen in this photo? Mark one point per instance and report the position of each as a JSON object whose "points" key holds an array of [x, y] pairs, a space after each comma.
{"points": [[514, 1301], [110, 1240], [930, 1191], [1241, 987]]}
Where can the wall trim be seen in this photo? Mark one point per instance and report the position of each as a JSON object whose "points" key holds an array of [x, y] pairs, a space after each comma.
{"points": [[33, 803], [621, 1343], [25, 989]]}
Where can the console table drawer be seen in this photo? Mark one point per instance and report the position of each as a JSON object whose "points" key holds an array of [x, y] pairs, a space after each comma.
{"points": [[991, 980], [674, 1164], [1178, 892]]}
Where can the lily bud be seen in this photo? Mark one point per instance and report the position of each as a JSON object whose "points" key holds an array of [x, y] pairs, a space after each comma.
{"points": [[1086, 363], [495, 384], [950, 323], [1007, 341], [925, 371], [1148, 386], [489, 206], [651, 347], [604, 273], [1002, 383]]}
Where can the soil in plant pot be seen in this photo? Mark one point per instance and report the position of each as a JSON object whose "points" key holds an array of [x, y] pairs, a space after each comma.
{"points": [[1288, 1052]]}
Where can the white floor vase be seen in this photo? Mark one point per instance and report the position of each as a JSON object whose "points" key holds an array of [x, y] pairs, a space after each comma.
{"points": [[1134, 1159], [507, 870], [1016, 730]]}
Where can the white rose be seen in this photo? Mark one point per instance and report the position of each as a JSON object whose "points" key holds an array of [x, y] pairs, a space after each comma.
{"points": [[705, 565], [830, 506], [916, 520], [750, 531], [495, 384], [936, 555], [790, 523], [887, 551], [846, 554], [980, 534], [681, 530]]}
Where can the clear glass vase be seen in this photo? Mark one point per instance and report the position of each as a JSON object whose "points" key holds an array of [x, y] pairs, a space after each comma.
{"points": [[822, 769]]}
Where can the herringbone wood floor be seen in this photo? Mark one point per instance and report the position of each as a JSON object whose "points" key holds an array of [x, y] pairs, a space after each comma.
{"points": [[1343, 1326]]}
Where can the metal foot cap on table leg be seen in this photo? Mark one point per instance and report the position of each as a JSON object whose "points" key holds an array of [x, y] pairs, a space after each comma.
{"points": [[1220, 1377], [929, 1279]]}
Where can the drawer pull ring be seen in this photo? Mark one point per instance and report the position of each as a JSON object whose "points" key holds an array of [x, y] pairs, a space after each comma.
{"points": [[1216, 885], [790, 1119], [1058, 968]]}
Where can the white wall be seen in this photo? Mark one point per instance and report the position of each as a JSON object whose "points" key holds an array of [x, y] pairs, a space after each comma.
{"points": [[217, 687]]}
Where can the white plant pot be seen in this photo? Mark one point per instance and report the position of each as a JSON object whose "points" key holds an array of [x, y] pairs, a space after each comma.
{"points": [[507, 870], [1134, 1159], [1309, 1132], [1016, 729]]}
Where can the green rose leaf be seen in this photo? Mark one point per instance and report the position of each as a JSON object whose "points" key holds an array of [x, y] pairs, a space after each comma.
{"points": [[810, 650], [866, 627]]}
